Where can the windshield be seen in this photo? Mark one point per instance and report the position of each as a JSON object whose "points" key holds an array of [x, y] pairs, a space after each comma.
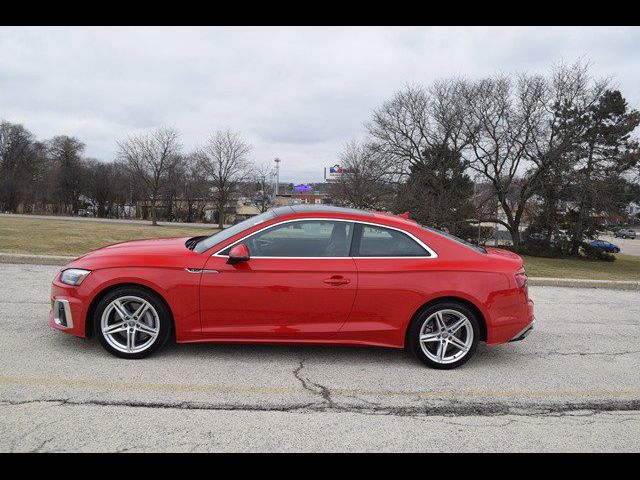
{"points": [[221, 236], [456, 239]]}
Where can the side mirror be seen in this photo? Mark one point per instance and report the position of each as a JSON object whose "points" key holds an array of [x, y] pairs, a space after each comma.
{"points": [[239, 253]]}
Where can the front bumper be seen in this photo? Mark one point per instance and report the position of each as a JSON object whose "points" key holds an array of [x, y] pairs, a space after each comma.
{"points": [[521, 335], [61, 313], [67, 309]]}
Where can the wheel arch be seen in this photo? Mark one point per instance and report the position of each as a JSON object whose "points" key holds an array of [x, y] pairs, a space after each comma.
{"points": [[482, 321], [88, 323]]}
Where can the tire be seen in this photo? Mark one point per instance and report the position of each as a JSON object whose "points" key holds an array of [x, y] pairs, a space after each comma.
{"points": [[126, 336], [427, 324]]}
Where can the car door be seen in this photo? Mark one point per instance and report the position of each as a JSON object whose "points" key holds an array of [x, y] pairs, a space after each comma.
{"points": [[390, 264], [298, 283]]}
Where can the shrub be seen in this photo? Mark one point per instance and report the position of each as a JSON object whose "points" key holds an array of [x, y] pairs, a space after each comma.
{"points": [[594, 253]]}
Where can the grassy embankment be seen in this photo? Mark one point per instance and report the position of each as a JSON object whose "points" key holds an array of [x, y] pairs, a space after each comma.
{"points": [[67, 237]]}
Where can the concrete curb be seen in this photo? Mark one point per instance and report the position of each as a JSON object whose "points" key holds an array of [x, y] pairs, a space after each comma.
{"points": [[533, 281], [34, 259], [584, 283]]}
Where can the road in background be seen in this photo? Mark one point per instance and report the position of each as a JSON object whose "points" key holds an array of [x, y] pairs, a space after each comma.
{"points": [[573, 384], [628, 246]]}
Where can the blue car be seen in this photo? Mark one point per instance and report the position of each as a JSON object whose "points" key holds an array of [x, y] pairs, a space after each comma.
{"points": [[604, 246]]}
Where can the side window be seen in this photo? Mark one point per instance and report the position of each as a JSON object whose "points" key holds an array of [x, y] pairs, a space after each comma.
{"points": [[312, 238], [385, 242]]}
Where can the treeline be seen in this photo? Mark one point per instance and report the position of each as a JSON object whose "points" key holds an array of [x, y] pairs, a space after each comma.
{"points": [[55, 175], [557, 150]]}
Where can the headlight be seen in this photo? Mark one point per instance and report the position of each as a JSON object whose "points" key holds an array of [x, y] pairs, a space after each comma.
{"points": [[74, 276]]}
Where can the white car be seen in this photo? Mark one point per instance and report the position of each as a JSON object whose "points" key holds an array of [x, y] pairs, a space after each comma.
{"points": [[625, 233]]}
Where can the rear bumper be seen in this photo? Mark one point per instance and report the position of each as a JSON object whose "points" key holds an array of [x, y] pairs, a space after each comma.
{"points": [[516, 320], [521, 335]]}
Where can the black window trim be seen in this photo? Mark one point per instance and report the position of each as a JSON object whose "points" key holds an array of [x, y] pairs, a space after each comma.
{"points": [[357, 233]]}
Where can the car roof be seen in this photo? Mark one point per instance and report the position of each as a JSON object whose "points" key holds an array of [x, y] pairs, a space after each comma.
{"points": [[288, 210], [385, 217]]}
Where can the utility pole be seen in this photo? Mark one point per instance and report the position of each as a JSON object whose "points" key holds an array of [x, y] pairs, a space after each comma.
{"points": [[275, 190]]}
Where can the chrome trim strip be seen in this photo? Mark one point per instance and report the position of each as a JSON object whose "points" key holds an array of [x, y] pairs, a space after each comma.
{"points": [[67, 313], [200, 270], [432, 254]]}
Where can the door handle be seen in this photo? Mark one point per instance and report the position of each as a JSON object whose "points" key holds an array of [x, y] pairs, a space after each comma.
{"points": [[337, 280]]}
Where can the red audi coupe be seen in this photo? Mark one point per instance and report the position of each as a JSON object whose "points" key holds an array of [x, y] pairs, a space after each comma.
{"points": [[299, 275]]}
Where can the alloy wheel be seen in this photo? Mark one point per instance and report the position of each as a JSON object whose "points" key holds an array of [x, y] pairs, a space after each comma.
{"points": [[446, 336], [130, 324]]}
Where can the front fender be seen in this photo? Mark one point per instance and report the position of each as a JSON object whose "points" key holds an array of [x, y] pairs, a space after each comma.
{"points": [[176, 286]]}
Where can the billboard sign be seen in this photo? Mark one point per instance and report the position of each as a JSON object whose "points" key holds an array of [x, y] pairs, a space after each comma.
{"points": [[302, 188], [333, 173]]}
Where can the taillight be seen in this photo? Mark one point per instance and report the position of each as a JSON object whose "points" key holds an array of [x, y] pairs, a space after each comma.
{"points": [[521, 278]]}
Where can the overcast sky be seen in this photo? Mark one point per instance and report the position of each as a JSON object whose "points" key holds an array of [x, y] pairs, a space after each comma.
{"points": [[295, 93]]}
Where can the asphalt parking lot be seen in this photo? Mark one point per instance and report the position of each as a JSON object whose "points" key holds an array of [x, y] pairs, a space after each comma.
{"points": [[573, 385]]}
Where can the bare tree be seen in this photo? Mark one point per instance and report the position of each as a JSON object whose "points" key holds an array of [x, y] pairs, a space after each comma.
{"points": [[150, 159], [367, 179], [125, 191], [571, 93], [420, 134], [66, 154], [18, 164], [171, 191], [517, 133], [503, 119], [262, 177], [224, 159], [100, 186], [417, 120], [194, 188]]}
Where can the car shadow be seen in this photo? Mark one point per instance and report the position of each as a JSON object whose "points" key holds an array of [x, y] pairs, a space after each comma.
{"points": [[362, 356], [275, 352], [328, 354]]}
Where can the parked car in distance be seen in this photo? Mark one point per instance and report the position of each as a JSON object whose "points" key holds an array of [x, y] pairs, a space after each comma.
{"points": [[625, 233], [537, 237], [605, 246], [299, 275]]}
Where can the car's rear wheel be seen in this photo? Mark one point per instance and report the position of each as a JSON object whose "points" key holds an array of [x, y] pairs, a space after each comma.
{"points": [[444, 335], [132, 322]]}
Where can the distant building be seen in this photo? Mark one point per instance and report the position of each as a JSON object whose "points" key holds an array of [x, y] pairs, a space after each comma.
{"points": [[303, 199]]}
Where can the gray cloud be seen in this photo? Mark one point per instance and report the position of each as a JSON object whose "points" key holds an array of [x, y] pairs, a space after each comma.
{"points": [[295, 93]]}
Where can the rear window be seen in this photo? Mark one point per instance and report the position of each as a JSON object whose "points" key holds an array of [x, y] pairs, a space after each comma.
{"points": [[456, 239], [384, 242]]}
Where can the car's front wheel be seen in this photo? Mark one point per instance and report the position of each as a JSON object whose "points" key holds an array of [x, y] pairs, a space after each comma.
{"points": [[444, 335], [131, 322]]}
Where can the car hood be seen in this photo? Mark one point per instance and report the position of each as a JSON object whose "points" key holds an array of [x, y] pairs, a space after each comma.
{"points": [[157, 252]]}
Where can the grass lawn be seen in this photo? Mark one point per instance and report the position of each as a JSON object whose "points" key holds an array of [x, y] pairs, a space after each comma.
{"points": [[625, 267], [66, 237]]}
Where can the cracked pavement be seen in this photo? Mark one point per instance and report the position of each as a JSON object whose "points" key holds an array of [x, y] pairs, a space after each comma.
{"points": [[572, 385]]}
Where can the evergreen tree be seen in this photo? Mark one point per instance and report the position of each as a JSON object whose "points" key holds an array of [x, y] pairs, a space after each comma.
{"points": [[604, 153], [438, 192]]}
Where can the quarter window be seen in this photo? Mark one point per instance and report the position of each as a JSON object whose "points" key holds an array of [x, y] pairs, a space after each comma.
{"points": [[385, 242]]}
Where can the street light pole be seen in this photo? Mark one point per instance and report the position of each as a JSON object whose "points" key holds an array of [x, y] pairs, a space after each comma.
{"points": [[275, 190]]}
